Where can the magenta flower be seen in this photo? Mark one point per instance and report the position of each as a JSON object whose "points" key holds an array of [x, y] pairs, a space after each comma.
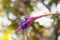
{"points": [[29, 20]]}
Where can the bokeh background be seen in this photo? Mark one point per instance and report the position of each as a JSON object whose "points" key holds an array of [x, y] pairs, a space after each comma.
{"points": [[45, 28]]}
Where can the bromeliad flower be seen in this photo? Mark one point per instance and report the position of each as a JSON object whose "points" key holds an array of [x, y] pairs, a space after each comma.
{"points": [[29, 20]]}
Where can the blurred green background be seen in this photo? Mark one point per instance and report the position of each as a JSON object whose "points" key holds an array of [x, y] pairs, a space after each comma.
{"points": [[13, 11]]}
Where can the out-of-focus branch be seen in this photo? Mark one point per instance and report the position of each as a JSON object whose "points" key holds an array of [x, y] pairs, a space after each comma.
{"points": [[49, 4], [56, 28]]}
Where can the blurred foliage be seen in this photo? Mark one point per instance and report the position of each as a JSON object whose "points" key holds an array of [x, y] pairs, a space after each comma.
{"points": [[51, 1], [33, 36], [38, 27], [27, 8], [6, 4]]}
